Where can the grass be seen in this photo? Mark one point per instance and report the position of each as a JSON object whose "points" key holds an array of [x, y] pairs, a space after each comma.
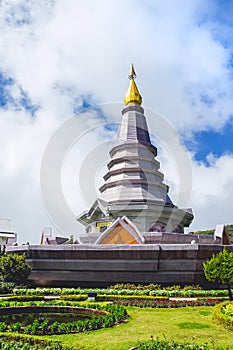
{"points": [[190, 324]]}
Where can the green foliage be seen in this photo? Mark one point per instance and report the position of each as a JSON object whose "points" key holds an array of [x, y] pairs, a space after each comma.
{"points": [[143, 323], [205, 232], [23, 342], [223, 315], [3, 326], [157, 293], [132, 286], [158, 344], [220, 268], [77, 297], [14, 268], [6, 287], [112, 297], [24, 298], [113, 314], [229, 229], [151, 287]]}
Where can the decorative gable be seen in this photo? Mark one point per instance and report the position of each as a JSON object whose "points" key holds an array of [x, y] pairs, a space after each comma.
{"points": [[122, 231]]}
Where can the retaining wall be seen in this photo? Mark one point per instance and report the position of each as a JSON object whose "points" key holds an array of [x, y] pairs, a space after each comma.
{"points": [[104, 265]]}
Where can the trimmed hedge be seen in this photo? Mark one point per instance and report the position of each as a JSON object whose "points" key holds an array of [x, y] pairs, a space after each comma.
{"points": [[222, 317], [170, 344], [23, 298], [139, 292], [110, 297], [104, 317], [153, 286], [10, 341], [77, 297]]}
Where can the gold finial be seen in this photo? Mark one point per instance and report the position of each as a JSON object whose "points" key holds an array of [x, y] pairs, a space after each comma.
{"points": [[132, 74], [132, 95]]}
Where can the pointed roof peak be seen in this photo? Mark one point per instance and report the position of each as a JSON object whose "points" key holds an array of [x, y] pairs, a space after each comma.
{"points": [[132, 74], [132, 95]]}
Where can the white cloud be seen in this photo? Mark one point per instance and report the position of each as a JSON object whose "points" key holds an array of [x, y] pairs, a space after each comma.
{"points": [[212, 193], [85, 48]]}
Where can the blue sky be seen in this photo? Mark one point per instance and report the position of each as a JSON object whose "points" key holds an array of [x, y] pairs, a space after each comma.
{"points": [[212, 142], [58, 58], [8, 100]]}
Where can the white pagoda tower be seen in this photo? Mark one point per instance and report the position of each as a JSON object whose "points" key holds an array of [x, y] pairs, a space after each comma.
{"points": [[134, 185]]}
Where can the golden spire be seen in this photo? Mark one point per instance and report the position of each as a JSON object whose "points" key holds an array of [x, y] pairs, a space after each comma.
{"points": [[132, 95]]}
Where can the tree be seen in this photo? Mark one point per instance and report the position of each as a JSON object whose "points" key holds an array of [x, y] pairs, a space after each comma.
{"points": [[220, 269], [14, 268]]}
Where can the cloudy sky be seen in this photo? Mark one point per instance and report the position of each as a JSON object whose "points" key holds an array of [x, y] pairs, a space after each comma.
{"points": [[59, 57]]}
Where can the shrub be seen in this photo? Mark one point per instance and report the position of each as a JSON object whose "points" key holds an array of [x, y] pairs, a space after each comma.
{"points": [[220, 269], [170, 344], [14, 327], [24, 298], [19, 342], [14, 268], [6, 287], [3, 326], [223, 314], [78, 297]]}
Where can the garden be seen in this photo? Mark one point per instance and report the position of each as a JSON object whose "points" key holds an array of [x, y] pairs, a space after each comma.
{"points": [[121, 317]]}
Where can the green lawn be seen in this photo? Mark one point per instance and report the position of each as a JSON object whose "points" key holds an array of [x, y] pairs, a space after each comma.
{"points": [[190, 324]]}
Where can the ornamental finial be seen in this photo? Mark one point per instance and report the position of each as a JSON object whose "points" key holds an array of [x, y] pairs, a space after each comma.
{"points": [[132, 74], [132, 95]]}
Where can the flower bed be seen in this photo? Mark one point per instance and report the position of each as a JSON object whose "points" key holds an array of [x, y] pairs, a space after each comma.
{"points": [[160, 303], [101, 317]]}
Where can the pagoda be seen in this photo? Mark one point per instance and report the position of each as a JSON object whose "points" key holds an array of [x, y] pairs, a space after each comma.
{"points": [[133, 185], [134, 232]]}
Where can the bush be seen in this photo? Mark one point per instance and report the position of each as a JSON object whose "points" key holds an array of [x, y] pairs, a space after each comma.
{"points": [[78, 297], [220, 269], [6, 287], [14, 268], [170, 344], [223, 314], [24, 298], [21, 341]]}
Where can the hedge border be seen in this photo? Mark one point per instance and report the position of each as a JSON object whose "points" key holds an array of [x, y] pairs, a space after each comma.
{"points": [[99, 317], [33, 340], [221, 318], [109, 291]]}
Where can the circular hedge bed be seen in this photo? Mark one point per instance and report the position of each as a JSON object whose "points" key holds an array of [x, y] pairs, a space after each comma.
{"points": [[93, 317]]}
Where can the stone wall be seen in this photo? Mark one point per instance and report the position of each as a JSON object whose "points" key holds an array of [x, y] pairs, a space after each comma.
{"points": [[104, 265]]}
